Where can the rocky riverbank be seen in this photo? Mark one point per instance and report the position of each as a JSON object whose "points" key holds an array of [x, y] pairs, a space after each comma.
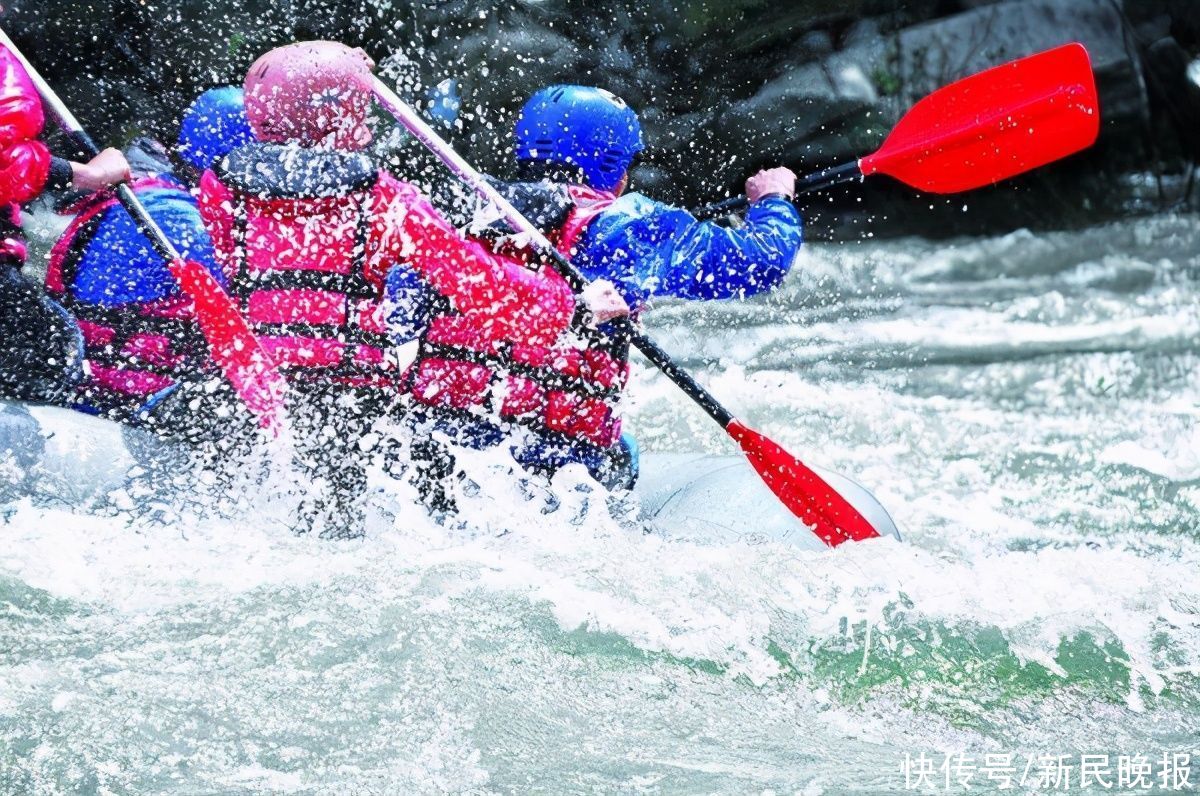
{"points": [[723, 87]]}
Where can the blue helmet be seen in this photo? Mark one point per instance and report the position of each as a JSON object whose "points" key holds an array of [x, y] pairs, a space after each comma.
{"points": [[588, 128], [213, 126]]}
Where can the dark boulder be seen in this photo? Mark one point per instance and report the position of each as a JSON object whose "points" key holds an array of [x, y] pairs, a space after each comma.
{"points": [[723, 86]]}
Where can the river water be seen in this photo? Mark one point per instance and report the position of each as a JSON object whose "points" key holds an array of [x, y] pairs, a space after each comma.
{"points": [[1025, 405]]}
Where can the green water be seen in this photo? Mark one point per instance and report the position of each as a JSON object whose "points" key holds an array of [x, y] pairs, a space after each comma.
{"points": [[1025, 406]]}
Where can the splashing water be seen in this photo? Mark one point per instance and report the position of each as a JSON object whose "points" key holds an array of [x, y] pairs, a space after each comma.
{"points": [[1026, 406]]}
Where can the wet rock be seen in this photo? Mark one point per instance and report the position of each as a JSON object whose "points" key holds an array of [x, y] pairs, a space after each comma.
{"points": [[1175, 98], [861, 33], [1183, 17], [723, 86], [816, 43]]}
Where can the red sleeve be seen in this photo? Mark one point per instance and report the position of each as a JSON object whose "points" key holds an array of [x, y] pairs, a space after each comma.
{"points": [[216, 211], [24, 167], [24, 161], [21, 117], [520, 304]]}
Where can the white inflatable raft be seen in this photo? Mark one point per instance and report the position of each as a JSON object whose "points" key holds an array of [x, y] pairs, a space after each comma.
{"points": [[720, 499], [57, 454], [68, 457]]}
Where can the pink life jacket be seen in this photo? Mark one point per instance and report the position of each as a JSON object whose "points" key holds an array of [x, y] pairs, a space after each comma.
{"points": [[292, 226], [24, 161], [133, 350], [569, 389]]}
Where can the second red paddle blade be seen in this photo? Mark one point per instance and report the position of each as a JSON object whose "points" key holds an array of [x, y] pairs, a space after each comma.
{"points": [[995, 124], [814, 502], [233, 347]]}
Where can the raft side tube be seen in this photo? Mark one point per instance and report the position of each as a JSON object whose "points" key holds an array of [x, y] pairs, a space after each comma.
{"points": [[76, 459], [721, 500], [60, 454]]}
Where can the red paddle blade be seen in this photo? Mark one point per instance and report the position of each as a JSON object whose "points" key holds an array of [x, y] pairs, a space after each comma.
{"points": [[233, 346], [994, 125], [814, 502]]}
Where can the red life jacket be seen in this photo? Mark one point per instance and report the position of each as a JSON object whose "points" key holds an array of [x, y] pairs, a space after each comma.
{"points": [[132, 350], [301, 219], [568, 390]]}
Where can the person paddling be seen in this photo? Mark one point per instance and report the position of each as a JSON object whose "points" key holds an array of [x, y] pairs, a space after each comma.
{"points": [[40, 348], [307, 226], [139, 330], [574, 147]]}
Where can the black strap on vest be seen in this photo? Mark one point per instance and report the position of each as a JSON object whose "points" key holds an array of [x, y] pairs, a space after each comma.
{"points": [[183, 335], [353, 284]]}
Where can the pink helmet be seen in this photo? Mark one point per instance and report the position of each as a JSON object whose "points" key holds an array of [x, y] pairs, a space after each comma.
{"points": [[315, 92]]}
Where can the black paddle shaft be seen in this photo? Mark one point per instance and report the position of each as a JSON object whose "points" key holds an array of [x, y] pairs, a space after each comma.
{"points": [[817, 181], [682, 378], [650, 349]]}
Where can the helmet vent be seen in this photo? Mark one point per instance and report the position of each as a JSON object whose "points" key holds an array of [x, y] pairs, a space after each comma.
{"points": [[581, 126], [612, 160]]}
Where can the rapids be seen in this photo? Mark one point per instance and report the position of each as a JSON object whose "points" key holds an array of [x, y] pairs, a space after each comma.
{"points": [[1025, 406]]}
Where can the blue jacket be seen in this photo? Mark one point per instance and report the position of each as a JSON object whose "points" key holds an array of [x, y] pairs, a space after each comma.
{"points": [[647, 249], [118, 266]]}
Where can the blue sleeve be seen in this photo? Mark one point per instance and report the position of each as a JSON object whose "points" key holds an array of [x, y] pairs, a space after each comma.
{"points": [[651, 249], [709, 261], [119, 265]]}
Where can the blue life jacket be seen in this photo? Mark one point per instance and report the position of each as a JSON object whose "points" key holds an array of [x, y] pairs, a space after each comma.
{"points": [[117, 265], [140, 336]]}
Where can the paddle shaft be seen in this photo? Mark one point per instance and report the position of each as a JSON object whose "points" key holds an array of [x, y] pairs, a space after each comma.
{"points": [[125, 195], [817, 181], [651, 350]]}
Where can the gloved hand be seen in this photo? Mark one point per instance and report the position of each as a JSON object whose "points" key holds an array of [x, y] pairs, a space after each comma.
{"points": [[780, 181], [603, 301], [106, 169]]}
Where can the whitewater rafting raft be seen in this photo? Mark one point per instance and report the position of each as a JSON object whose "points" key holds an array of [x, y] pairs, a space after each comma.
{"points": [[57, 453]]}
